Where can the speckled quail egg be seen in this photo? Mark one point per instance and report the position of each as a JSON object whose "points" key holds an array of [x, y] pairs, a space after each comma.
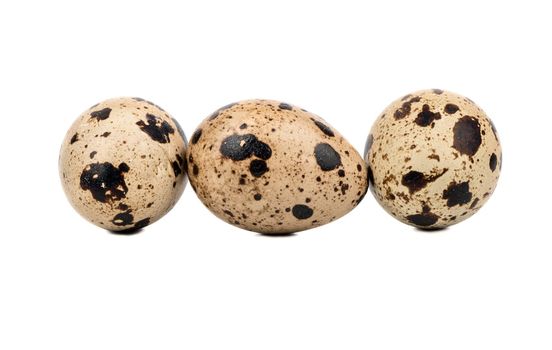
{"points": [[274, 168], [122, 163], [434, 158]]}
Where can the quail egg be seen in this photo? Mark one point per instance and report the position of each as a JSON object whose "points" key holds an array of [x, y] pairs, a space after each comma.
{"points": [[434, 158], [274, 168], [122, 163]]}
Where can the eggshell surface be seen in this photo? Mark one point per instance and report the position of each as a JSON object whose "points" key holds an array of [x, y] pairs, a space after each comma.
{"points": [[122, 163], [434, 158], [274, 168]]}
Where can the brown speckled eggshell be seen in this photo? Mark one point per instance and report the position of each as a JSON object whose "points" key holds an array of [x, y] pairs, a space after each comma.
{"points": [[122, 163], [434, 159], [274, 168]]}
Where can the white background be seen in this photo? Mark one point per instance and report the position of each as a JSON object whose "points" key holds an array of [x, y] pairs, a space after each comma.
{"points": [[191, 281]]}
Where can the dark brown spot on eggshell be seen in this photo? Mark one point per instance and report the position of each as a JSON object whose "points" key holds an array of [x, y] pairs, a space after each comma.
{"points": [[105, 182], [258, 167], [123, 219], [177, 168], [122, 207], [457, 194], [100, 115], [240, 147], [425, 219], [493, 162], [196, 136], [467, 135], [301, 211], [157, 128], [324, 128], [327, 157], [285, 106], [415, 180], [142, 223], [426, 116], [433, 156], [451, 108], [406, 107]]}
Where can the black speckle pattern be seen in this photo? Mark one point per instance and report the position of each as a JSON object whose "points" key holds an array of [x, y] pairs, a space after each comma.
{"points": [[426, 116], [493, 162], [425, 219], [467, 135], [324, 128], [258, 167], [177, 168], [240, 147], [285, 106], [123, 219], [104, 181], [157, 128], [327, 157], [451, 108], [416, 181], [301, 211], [262, 150], [457, 194], [406, 107], [142, 223], [196, 136], [101, 114], [126, 219]]}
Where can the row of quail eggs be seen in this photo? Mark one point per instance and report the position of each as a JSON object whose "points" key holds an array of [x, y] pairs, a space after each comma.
{"points": [[432, 159]]}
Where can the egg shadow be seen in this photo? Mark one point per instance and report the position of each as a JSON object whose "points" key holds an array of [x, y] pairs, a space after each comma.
{"points": [[276, 235], [431, 229], [129, 232]]}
